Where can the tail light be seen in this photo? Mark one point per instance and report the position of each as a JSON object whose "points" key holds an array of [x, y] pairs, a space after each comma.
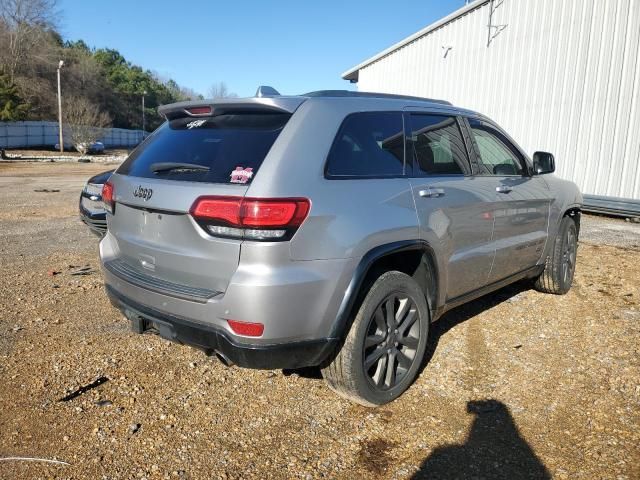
{"points": [[251, 218], [108, 196]]}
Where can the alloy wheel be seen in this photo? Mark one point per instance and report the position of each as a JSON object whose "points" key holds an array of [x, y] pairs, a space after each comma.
{"points": [[392, 339], [569, 255]]}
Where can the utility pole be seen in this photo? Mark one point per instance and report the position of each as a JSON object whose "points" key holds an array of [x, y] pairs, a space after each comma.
{"points": [[60, 65], [144, 92]]}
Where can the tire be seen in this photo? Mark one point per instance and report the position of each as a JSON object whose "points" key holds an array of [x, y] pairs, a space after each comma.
{"points": [[372, 339], [560, 266]]}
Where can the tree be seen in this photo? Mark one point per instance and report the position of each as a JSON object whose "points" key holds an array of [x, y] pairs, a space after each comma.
{"points": [[12, 107], [86, 122], [30, 49], [23, 24], [220, 90], [180, 93]]}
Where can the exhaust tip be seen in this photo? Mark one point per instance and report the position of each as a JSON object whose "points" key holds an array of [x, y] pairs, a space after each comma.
{"points": [[223, 359]]}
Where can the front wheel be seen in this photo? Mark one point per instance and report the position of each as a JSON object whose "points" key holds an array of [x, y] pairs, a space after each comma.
{"points": [[384, 348], [560, 266]]}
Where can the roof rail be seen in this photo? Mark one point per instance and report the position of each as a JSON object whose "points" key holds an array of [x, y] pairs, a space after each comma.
{"points": [[350, 93]]}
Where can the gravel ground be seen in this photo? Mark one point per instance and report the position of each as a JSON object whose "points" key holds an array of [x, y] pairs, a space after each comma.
{"points": [[600, 230], [518, 384]]}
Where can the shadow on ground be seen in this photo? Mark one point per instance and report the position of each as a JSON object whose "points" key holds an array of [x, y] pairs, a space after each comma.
{"points": [[493, 449]]}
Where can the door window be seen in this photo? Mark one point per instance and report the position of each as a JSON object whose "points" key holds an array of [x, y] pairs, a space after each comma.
{"points": [[437, 145], [369, 144], [496, 155]]}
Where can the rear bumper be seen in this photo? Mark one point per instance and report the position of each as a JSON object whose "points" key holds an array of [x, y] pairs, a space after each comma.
{"points": [[96, 224], [96, 221], [296, 301], [213, 340]]}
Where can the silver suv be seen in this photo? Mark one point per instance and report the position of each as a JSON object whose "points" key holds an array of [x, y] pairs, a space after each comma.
{"points": [[328, 229]]}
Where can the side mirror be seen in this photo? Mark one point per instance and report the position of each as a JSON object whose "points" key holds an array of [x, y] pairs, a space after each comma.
{"points": [[543, 162]]}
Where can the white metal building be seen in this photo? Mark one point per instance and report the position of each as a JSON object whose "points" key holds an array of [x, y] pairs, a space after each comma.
{"points": [[558, 75]]}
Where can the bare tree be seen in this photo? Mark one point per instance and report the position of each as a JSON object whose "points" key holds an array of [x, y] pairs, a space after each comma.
{"points": [[178, 92], [220, 90], [22, 25], [35, 77], [86, 122], [190, 94]]}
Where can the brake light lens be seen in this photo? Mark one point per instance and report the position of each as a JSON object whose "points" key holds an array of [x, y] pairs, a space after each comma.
{"points": [[251, 218], [199, 110], [248, 329], [108, 196]]}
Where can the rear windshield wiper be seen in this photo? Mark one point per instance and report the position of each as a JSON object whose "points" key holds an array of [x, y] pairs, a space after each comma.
{"points": [[177, 166]]}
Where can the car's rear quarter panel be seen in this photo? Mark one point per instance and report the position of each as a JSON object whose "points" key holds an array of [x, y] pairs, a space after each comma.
{"points": [[348, 217]]}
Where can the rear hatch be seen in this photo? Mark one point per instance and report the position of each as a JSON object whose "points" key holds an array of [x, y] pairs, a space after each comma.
{"points": [[199, 151]]}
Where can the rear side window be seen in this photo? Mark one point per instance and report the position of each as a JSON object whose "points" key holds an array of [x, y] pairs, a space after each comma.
{"points": [[437, 145], [230, 148], [369, 144]]}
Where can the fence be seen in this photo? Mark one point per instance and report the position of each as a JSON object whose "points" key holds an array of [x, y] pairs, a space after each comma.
{"points": [[45, 134]]}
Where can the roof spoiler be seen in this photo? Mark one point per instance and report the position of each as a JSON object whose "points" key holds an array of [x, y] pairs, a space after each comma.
{"points": [[220, 106]]}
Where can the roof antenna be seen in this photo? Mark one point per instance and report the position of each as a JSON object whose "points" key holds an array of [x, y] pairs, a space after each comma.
{"points": [[266, 91]]}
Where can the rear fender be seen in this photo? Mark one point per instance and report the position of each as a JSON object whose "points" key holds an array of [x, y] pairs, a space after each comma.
{"points": [[357, 286]]}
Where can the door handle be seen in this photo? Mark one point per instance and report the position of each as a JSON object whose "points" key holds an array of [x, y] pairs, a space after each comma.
{"points": [[504, 189], [431, 192]]}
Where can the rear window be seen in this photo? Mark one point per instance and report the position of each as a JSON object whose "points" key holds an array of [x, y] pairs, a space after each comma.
{"points": [[231, 147]]}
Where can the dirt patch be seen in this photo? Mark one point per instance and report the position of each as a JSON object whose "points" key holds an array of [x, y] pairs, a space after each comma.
{"points": [[375, 455], [519, 384]]}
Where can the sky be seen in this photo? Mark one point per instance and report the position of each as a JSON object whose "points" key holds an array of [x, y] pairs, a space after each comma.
{"points": [[294, 46]]}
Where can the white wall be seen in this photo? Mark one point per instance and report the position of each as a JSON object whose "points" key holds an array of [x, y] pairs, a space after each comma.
{"points": [[563, 76], [45, 134]]}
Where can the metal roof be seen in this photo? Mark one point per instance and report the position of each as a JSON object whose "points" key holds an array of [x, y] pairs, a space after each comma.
{"points": [[352, 74]]}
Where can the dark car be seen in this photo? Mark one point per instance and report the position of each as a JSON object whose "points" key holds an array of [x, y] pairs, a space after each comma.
{"points": [[93, 148], [92, 211]]}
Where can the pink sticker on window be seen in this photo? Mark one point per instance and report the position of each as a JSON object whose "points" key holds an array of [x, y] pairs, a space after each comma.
{"points": [[241, 175]]}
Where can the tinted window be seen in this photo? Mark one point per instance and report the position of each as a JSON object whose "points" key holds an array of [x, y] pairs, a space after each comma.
{"points": [[369, 144], [497, 155], [223, 143], [438, 148]]}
